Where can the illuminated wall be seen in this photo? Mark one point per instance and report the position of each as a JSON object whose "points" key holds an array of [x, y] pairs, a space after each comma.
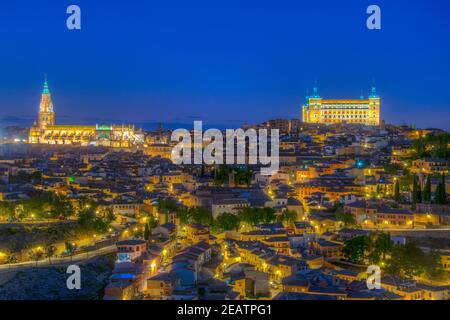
{"points": [[365, 111]]}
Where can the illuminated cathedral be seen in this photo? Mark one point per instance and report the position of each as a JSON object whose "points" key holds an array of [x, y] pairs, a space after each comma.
{"points": [[45, 131]]}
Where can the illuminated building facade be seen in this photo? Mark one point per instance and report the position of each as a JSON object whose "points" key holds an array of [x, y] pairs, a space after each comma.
{"points": [[47, 132], [365, 111]]}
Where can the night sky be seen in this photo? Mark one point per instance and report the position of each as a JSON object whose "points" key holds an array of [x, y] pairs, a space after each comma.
{"points": [[223, 62]]}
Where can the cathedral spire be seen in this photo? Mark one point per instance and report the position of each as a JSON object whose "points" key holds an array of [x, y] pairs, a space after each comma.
{"points": [[46, 90], [46, 113]]}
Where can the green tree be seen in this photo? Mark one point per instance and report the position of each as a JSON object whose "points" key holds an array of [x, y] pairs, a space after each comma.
{"points": [[397, 191], [433, 267], [440, 196], [70, 248], [227, 221], [152, 224], [49, 252], [11, 259], [378, 189], [36, 255], [167, 205], [354, 249], [380, 247], [416, 191], [288, 217], [201, 215], [184, 215], [146, 232], [407, 260], [427, 190], [347, 218]]}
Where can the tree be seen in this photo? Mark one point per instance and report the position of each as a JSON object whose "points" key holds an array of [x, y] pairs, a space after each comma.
{"points": [[146, 232], [440, 196], [433, 267], [397, 191], [184, 215], [380, 247], [201, 215], [378, 189], [11, 258], [167, 205], [426, 197], [347, 218], [36, 255], [406, 260], [354, 249], [267, 215], [227, 221], [288, 217], [152, 224], [50, 251], [416, 192], [70, 248]]}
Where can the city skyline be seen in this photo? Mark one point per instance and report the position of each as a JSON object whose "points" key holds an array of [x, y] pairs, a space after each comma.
{"points": [[222, 156], [251, 63]]}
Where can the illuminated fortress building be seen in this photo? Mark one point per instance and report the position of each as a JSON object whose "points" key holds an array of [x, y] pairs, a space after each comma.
{"points": [[365, 111], [47, 132]]}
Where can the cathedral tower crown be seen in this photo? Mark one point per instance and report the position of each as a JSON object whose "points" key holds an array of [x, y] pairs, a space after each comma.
{"points": [[46, 113]]}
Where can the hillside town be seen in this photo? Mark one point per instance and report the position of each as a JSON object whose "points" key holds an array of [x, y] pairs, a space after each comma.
{"points": [[346, 196]]}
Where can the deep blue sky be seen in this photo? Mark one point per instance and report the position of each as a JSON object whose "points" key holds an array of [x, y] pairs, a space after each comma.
{"points": [[224, 62]]}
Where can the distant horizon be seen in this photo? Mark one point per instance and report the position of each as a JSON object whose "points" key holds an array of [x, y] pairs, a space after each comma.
{"points": [[27, 122]]}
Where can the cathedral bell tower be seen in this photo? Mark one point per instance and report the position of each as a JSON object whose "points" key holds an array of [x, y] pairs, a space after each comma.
{"points": [[46, 113]]}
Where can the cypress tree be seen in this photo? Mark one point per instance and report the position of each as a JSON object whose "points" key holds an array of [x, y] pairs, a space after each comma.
{"points": [[441, 195], [438, 194], [419, 191], [146, 232], [397, 191], [444, 193], [414, 190], [427, 190]]}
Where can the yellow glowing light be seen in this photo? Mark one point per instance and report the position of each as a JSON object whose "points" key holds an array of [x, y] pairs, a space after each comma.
{"points": [[429, 216], [386, 222]]}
